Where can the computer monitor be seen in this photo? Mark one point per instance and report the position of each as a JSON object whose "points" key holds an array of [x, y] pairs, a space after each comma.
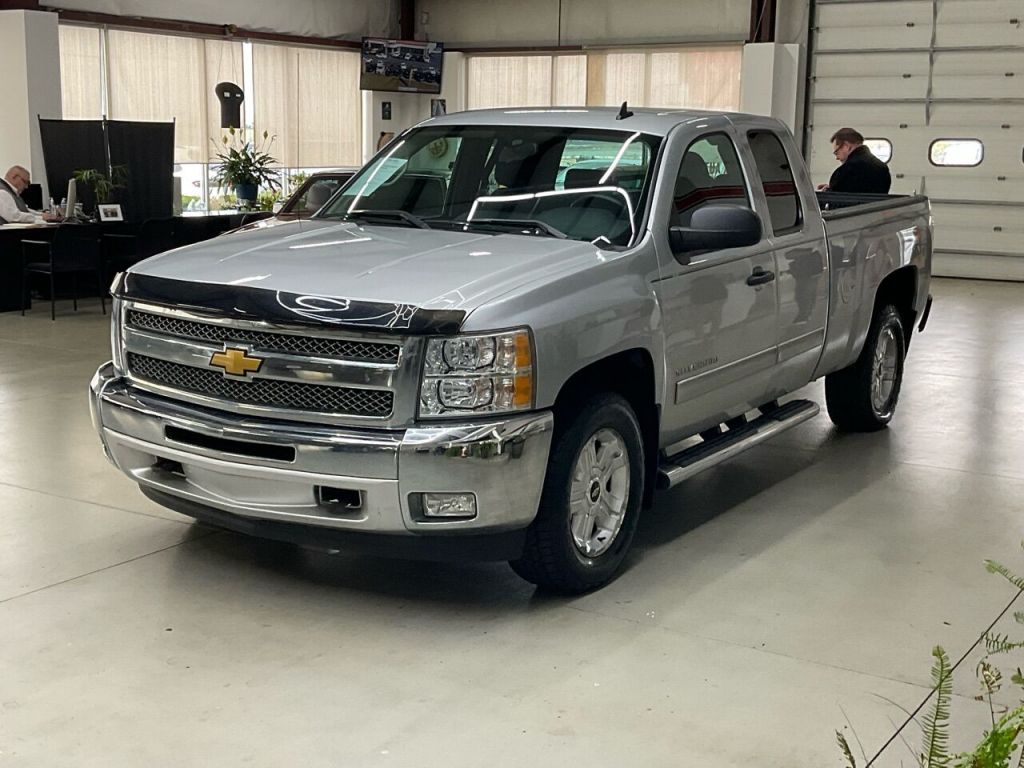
{"points": [[72, 198], [33, 197]]}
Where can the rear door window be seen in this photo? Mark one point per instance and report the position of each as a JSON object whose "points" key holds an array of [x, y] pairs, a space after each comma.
{"points": [[776, 181]]}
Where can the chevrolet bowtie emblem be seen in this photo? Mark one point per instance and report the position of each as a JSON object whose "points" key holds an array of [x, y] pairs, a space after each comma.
{"points": [[235, 362]]}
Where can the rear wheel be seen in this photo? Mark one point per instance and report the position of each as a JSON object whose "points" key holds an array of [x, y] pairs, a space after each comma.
{"points": [[863, 396], [591, 501]]}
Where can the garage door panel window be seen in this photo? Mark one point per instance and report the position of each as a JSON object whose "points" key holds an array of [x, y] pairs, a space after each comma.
{"points": [[958, 153], [880, 148]]}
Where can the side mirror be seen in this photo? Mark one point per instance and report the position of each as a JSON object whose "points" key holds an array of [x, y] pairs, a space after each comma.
{"points": [[715, 228]]}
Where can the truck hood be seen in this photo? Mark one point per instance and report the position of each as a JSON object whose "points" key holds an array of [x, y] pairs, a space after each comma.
{"points": [[429, 269]]}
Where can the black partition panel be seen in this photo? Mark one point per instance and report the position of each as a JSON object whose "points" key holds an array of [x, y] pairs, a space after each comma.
{"points": [[146, 150], [69, 146]]}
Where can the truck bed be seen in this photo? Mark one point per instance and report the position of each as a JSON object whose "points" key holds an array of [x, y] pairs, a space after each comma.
{"points": [[869, 237]]}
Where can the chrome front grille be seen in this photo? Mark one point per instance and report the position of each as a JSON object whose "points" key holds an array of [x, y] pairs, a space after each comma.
{"points": [[270, 393], [319, 375], [293, 344]]}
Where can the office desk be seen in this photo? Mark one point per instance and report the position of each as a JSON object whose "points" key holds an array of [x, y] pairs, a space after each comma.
{"points": [[189, 229]]}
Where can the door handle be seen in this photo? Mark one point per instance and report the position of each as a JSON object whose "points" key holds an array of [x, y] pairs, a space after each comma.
{"points": [[760, 276]]}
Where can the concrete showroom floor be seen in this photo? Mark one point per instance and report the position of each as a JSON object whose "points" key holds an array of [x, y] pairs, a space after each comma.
{"points": [[796, 590]]}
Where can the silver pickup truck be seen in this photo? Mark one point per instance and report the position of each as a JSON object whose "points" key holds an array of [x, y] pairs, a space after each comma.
{"points": [[506, 332]]}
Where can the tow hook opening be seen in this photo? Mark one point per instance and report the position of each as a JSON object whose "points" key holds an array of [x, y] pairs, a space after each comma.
{"points": [[341, 499], [168, 466]]}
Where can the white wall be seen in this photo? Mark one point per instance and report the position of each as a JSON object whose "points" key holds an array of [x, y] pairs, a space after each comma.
{"points": [[772, 83], [30, 61], [583, 22], [345, 19], [791, 21]]}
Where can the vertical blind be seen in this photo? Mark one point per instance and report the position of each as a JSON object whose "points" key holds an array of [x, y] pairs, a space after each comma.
{"points": [[519, 81], [309, 99], [700, 78], [81, 73], [164, 77]]}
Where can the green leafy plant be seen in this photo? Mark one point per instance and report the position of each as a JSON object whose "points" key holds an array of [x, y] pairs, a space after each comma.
{"points": [[1002, 746], [103, 188], [245, 163], [296, 179], [267, 199], [224, 202]]}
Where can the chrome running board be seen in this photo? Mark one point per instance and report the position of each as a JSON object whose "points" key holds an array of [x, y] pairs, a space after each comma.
{"points": [[738, 438]]}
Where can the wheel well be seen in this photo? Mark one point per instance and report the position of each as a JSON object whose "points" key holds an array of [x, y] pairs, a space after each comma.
{"points": [[629, 374], [900, 289]]}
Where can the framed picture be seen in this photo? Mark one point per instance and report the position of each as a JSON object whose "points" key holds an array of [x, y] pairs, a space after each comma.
{"points": [[438, 107], [111, 212]]}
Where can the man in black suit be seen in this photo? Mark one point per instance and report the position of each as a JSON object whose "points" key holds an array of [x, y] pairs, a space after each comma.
{"points": [[860, 171]]}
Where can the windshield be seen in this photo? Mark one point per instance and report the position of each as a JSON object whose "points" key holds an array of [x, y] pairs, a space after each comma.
{"points": [[581, 184]]}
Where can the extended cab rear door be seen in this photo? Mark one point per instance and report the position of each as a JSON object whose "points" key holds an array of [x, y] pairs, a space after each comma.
{"points": [[793, 228], [719, 307]]}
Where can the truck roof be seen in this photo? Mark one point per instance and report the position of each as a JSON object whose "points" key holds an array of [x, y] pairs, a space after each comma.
{"points": [[657, 122]]}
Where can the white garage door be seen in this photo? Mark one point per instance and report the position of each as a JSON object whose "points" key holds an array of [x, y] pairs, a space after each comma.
{"points": [[941, 83]]}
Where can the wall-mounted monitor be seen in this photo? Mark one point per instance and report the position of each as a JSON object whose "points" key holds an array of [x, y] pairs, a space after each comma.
{"points": [[400, 65]]}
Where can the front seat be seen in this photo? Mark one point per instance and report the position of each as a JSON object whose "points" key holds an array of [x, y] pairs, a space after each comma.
{"points": [[691, 186]]}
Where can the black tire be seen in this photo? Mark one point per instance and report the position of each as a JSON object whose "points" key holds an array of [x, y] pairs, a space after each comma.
{"points": [[848, 393], [551, 558]]}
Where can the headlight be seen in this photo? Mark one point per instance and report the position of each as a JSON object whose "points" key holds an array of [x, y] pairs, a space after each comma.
{"points": [[478, 374]]}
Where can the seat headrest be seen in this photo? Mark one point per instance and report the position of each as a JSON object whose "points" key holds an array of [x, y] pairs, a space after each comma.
{"points": [[692, 175], [514, 167], [317, 195], [585, 177]]}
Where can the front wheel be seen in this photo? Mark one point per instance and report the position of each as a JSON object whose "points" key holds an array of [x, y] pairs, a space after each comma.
{"points": [[591, 500], [862, 397]]}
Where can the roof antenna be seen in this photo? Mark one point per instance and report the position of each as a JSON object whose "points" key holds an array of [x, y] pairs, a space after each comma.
{"points": [[624, 112]]}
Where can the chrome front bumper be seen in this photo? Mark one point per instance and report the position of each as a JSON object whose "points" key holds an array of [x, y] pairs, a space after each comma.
{"points": [[165, 446]]}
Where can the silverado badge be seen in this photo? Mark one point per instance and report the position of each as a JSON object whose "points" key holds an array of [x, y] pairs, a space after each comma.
{"points": [[236, 362]]}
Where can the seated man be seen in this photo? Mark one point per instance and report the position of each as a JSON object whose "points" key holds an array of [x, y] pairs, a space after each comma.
{"points": [[12, 208], [860, 171]]}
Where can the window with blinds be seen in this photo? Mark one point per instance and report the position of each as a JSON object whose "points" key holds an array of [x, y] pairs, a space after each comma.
{"points": [[81, 73], [520, 81], [698, 78], [165, 77], [309, 98]]}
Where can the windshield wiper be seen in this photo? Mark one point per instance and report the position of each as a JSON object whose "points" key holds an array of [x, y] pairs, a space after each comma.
{"points": [[387, 217], [536, 225]]}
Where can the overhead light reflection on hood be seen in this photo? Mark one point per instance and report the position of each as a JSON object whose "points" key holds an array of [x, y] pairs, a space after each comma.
{"points": [[329, 243]]}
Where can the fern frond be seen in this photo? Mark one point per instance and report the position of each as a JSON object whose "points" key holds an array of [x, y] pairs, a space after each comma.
{"points": [[996, 643], [853, 730], [990, 677], [993, 567], [847, 752], [998, 746], [936, 721]]}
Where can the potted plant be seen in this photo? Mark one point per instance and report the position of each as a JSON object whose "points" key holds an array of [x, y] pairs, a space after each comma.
{"points": [[245, 167], [103, 188]]}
